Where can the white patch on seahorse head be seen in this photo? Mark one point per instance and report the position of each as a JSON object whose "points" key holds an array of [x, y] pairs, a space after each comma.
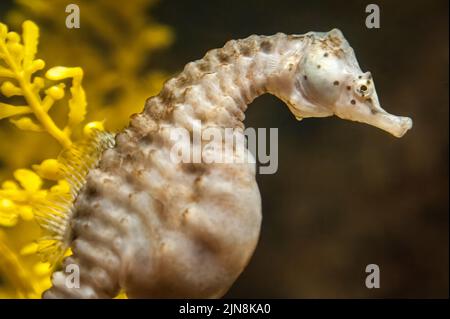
{"points": [[328, 81]]}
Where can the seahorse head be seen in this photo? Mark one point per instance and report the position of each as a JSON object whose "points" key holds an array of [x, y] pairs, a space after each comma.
{"points": [[329, 81]]}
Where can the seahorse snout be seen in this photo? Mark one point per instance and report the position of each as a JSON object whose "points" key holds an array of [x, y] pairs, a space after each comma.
{"points": [[363, 106]]}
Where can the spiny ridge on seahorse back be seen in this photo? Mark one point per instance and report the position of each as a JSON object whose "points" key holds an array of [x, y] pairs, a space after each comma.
{"points": [[174, 90], [155, 227]]}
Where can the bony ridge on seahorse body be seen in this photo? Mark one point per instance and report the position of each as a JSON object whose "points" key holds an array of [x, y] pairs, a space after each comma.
{"points": [[156, 228]]}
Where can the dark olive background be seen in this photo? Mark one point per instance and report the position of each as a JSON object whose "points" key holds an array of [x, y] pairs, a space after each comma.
{"points": [[345, 194]]}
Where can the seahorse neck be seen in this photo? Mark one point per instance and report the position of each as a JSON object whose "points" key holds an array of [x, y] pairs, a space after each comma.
{"points": [[217, 88]]}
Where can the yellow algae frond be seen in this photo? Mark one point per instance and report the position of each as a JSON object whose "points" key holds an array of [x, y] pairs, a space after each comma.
{"points": [[26, 277], [43, 111], [114, 45], [43, 194], [17, 56], [18, 66]]}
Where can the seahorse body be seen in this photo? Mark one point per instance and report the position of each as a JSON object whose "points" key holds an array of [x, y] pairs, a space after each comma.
{"points": [[157, 228]]}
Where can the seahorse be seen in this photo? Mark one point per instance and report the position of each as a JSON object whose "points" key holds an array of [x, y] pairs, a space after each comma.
{"points": [[156, 228]]}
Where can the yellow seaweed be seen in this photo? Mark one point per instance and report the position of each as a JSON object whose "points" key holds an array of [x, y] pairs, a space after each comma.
{"points": [[55, 103]]}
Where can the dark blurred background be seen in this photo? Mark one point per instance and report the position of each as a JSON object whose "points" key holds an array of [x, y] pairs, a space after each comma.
{"points": [[345, 195]]}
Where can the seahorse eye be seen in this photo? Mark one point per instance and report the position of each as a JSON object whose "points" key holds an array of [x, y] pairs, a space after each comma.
{"points": [[363, 89]]}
